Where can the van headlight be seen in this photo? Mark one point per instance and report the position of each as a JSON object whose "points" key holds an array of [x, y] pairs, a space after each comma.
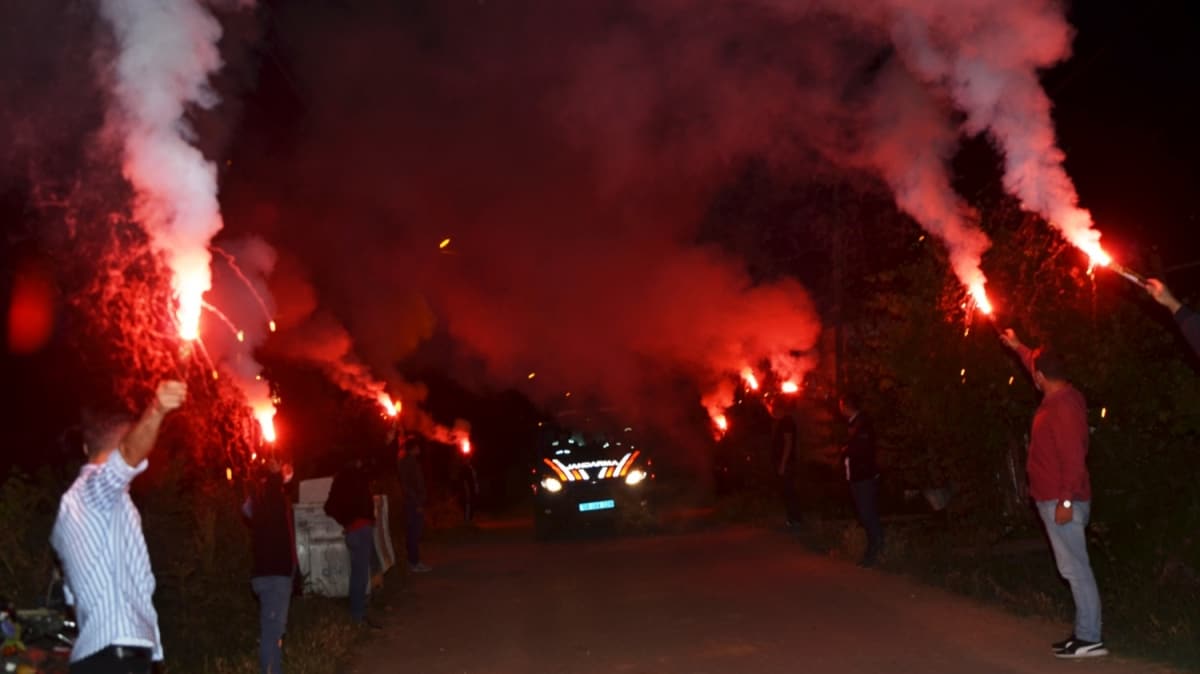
{"points": [[634, 477], [551, 485]]}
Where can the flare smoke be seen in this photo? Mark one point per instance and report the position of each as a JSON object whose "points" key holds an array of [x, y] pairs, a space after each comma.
{"points": [[165, 54]]}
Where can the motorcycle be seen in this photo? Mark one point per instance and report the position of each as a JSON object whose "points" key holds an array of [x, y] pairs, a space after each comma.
{"points": [[37, 640]]}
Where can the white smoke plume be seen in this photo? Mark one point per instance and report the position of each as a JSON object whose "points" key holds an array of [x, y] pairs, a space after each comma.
{"points": [[987, 54], [911, 145], [165, 55]]}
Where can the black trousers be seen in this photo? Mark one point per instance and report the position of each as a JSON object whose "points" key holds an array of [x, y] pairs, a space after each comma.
{"points": [[116, 660], [866, 503]]}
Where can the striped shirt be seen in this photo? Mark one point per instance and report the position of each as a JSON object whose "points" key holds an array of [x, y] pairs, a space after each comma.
{"points": [[98, 537]]}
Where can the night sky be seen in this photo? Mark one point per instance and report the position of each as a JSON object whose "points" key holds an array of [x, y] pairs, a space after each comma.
{"points": [[570, 152]]}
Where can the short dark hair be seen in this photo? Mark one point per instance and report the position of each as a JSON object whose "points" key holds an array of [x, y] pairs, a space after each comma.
{"points": [[1049, 364], [98, 425]]}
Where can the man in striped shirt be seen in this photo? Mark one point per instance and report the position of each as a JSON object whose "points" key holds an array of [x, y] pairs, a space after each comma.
{"points": [[98, 538]]}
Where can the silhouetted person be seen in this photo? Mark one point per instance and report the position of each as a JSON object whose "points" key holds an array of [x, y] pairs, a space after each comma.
{"points": [[268, 511], [98, 538], [467, 486], [1060, 486], [784, 460], [862, 474], [350, 503], [1188, 320], [412, 482]]}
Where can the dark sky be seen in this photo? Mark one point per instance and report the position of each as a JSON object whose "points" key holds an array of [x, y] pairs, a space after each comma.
{"points": [[570, 151], [1128, 115]]}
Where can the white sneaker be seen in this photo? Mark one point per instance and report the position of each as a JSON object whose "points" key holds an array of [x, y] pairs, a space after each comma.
{"points": [[1078, 648]]}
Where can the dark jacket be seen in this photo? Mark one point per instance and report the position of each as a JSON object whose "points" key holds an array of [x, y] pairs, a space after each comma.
{"points": [[272, 532], [1189, 323], [412, 480], [468, 480], [350, 498], [858, 457], [784, 439]]}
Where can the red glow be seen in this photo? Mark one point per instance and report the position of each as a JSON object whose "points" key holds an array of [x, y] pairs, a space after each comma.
{"points": [[979, 294], [721, 422], [191, 282], [750, 379], [790, 387], [31, 313], [266, 420], [464, 446], [1096, 255], [390, 407]]}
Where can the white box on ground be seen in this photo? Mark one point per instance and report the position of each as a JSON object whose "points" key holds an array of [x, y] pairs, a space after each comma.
{"points": [[321, 544]]}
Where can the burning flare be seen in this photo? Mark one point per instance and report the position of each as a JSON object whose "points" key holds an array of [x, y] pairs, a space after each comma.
{"points": [[750, 379], [789, 387], [265, 415], [979, 294], [391, 408]]}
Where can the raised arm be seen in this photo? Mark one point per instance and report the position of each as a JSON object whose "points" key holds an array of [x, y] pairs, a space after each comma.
{"points": [[139, 442], [1010, 339], [1188, 320]]}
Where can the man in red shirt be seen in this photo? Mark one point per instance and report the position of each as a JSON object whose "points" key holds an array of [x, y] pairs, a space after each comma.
{"points": [[1062, 491]]}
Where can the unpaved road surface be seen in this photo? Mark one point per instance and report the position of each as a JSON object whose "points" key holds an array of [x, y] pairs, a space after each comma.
{"points": [[729, 601]]}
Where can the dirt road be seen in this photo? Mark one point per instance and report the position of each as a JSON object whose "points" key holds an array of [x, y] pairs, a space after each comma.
{"points": [[740, 601]]}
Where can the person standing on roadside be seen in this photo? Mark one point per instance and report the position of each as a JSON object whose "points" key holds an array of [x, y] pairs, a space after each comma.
{"points": [[98, 538], [351, 504], [783, 457], [268, 511], [412, 482], [862, 474], [1061, 488]]}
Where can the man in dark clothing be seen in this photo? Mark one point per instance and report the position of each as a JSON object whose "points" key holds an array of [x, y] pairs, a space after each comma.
{"points": [[467, 484], [1061, 488], [268, 511], [862, 474], [783, 458], [351, 504], [412, 482], [1188, 320]]}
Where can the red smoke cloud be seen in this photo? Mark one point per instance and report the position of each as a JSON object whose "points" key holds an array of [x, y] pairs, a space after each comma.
{"points": [[570, 150], [570, 171]]}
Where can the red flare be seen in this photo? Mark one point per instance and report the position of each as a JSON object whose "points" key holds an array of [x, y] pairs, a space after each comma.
{"points": [[789, 387], [266, 420], [750, 379], [979, 294], [390, 407]]}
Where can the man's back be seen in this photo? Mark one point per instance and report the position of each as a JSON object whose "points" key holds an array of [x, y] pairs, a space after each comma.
{"points": [[98, 538]]}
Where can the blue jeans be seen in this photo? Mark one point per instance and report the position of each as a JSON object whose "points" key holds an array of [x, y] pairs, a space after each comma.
{"points": [[1070, 555], [361, 543], [414, 522], [866, 503], [274, 595]]}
